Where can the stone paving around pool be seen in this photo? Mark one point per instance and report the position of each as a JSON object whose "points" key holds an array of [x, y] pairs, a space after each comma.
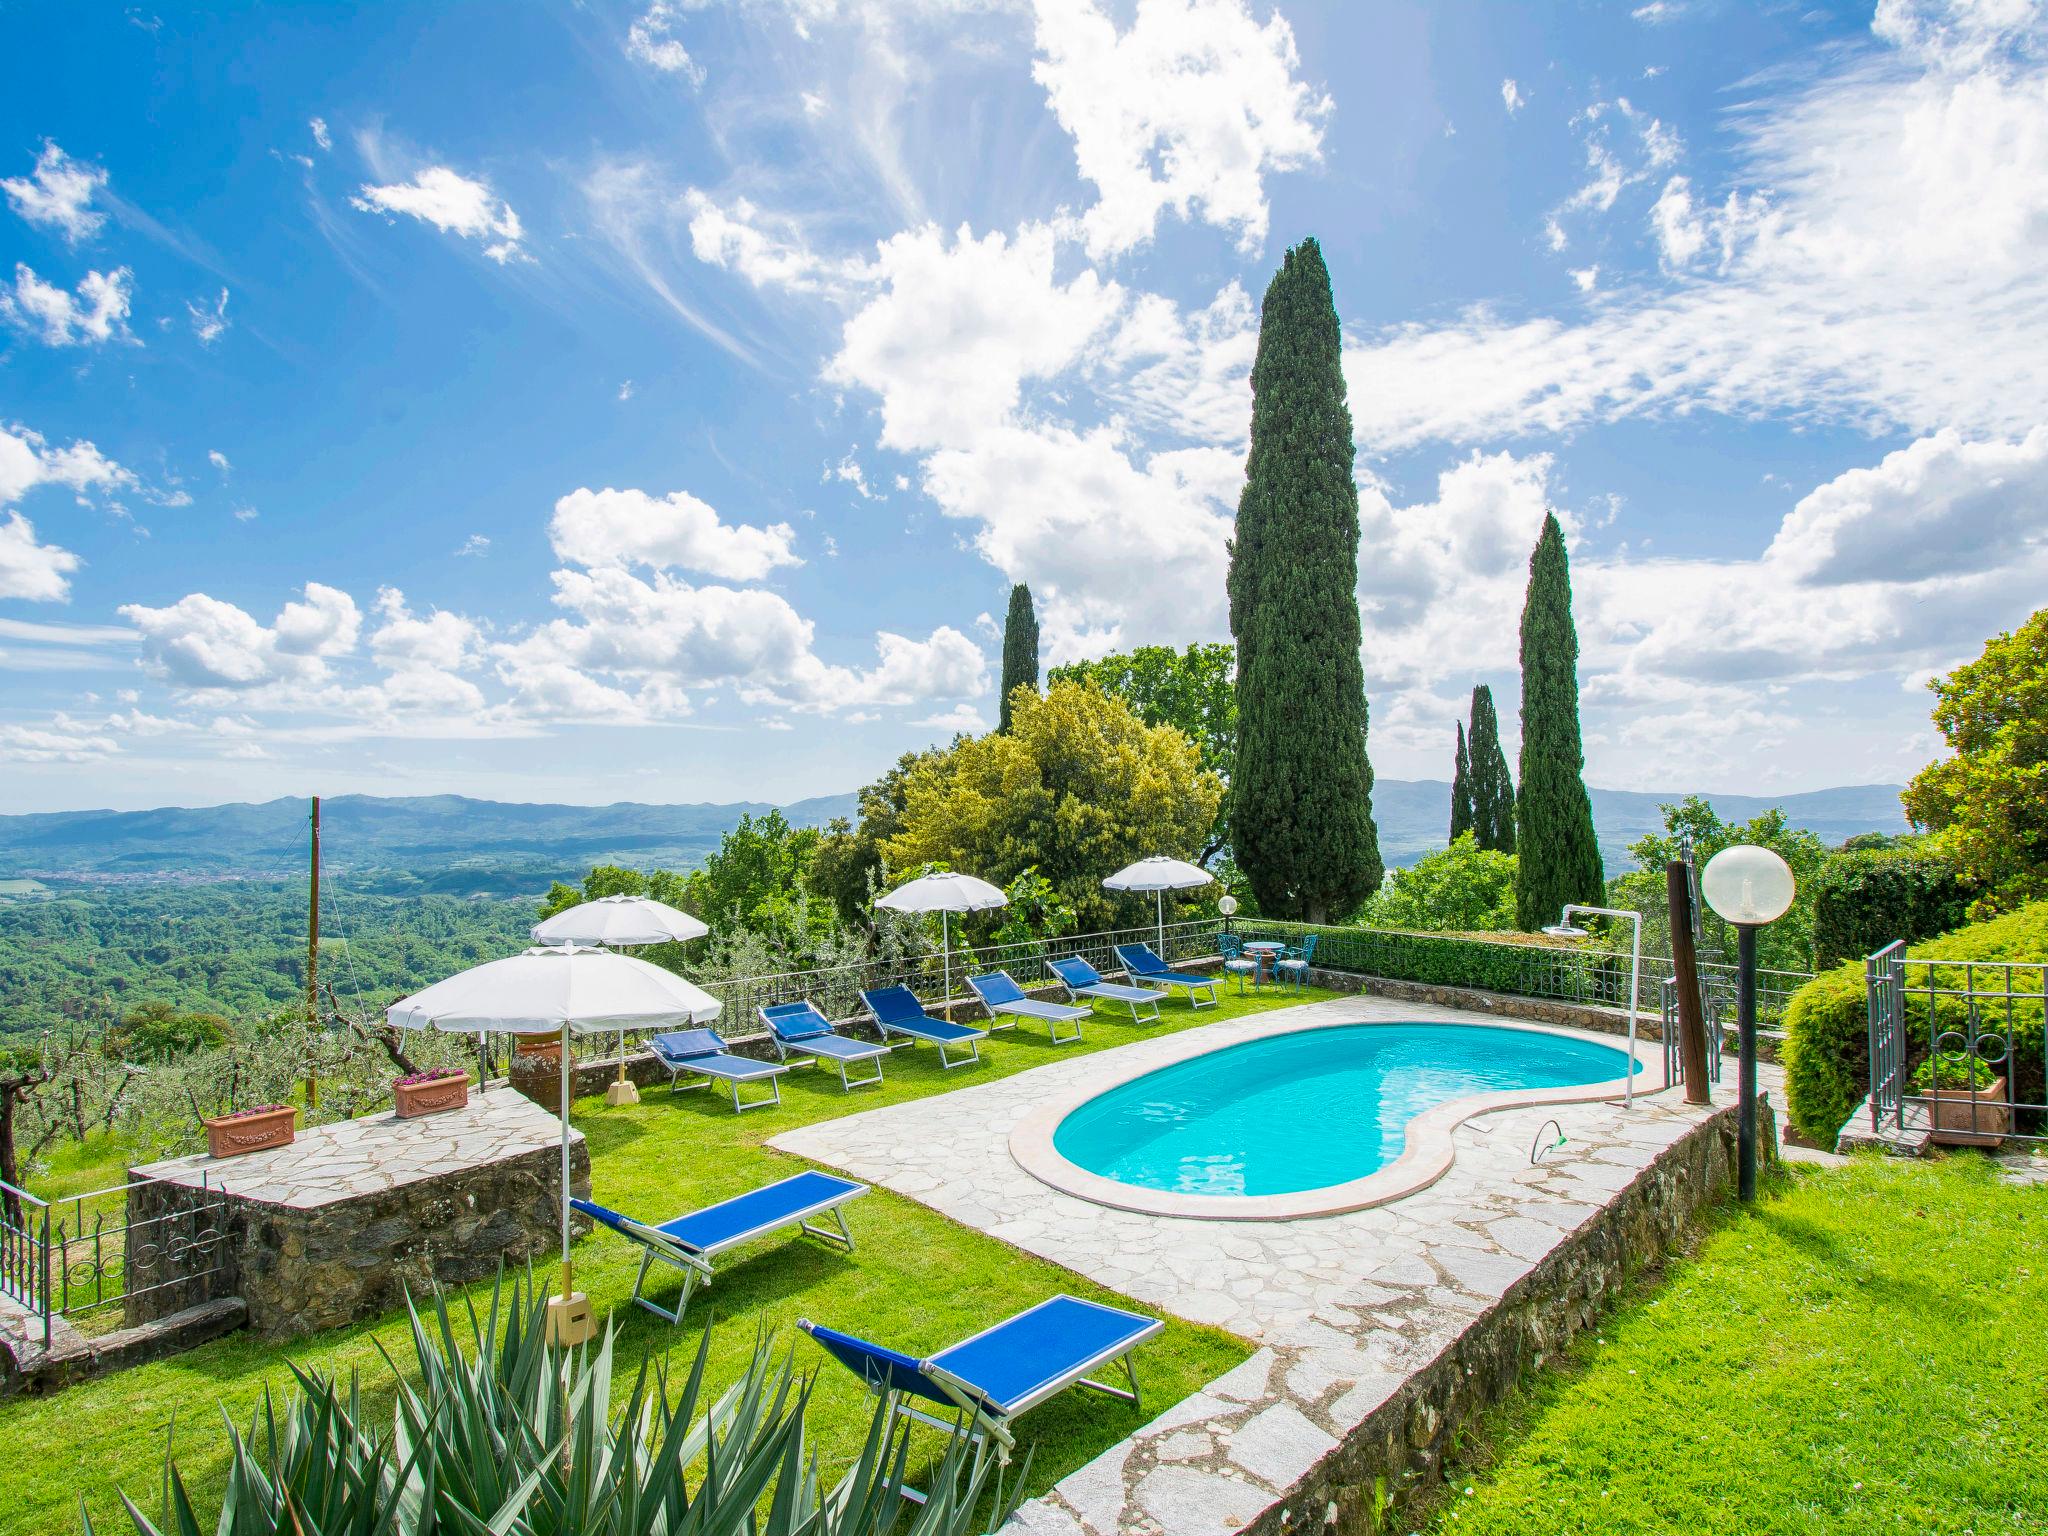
{"points": [[1344, 1308]]}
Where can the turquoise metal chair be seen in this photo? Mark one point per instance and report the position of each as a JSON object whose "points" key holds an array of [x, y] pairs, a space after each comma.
{"points": [[1235, 961], [1293, 966]]}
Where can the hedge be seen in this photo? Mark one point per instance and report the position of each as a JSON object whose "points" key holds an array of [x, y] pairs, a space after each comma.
{"points": [[1522, 968], [1827, 1026], [1865, 898]]}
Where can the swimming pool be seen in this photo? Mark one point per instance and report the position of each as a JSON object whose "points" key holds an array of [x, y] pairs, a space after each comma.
{"points": [[1315, 1108]]}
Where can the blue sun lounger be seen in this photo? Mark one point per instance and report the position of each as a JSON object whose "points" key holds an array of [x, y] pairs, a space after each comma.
{"points": [[1082, 980], [702, 1053], [897, 1011], [689, 1243], [1002, 1372], [800, 1027], [1140, 964], [1004, 999]]}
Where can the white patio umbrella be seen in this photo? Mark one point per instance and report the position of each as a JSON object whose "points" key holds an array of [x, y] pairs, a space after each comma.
{"points": [[620, 922], [553, 989], [944, 893], [1159, 874]]}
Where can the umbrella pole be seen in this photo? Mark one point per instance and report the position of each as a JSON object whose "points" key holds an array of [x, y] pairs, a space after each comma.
{"points": [[1159, 898], [946, 961], [567, 1275], [569, 1320]]}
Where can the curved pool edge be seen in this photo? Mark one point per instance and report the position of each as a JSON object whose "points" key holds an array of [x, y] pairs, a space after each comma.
{"points": [[1427, 1150]]}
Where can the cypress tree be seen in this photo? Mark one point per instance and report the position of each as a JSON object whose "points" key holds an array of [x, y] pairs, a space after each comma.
{"points": [[1301, 819], [1493, 791], [1558, 856], [1020, 650], [1461, 791]]}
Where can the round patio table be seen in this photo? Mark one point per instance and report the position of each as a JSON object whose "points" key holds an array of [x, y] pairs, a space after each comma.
{"points": [[1265, 951]]}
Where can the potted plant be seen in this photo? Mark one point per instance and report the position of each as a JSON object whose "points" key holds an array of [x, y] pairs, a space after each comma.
{"points": [[1965, 1100], [250, 1130], [430, 1092]]}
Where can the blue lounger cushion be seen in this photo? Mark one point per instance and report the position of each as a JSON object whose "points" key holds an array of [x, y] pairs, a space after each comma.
{"points": [[1006, 1370], [1139, 960], [795, 1021], [688, 1243], [703, 1050], [898, 1008], [1000, 994], [1082, 978]]}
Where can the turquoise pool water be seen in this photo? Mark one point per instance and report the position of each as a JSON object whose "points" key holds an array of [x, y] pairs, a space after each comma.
{"points": [[1310, 1109]]}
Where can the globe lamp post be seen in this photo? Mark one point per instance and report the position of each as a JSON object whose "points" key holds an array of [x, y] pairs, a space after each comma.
{"points": [[1749, 887]]}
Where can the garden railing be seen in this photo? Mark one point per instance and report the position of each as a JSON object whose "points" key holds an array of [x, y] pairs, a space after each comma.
{"points": [[1958, 1048]]}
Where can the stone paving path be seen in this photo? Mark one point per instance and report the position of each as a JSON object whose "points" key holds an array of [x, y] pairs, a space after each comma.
{"points": [[350, 1158], [1343, 1308]]}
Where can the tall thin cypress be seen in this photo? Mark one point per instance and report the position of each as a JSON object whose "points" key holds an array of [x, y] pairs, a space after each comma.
{"points": [[1493, 791], [1301, 819], [1020, 650], [1461, 790], [1558, 857]]}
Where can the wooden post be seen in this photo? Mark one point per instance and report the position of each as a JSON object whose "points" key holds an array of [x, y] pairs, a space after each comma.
{"points": [[1692, 1023], [313, 950]]}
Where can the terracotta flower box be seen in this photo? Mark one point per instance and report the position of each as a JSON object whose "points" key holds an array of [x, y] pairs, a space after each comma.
{"points": [[429, 1093], [1965, 1119], [251, 1130]]}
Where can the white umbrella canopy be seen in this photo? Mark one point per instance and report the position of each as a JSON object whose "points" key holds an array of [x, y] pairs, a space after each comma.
{"points": [[553, 989], [621, 922], [1159, 874], [945, 892]]}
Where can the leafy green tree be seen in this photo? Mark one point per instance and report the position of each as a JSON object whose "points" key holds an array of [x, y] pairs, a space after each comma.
{"points": [[1461, 789], [1036, 910], [1301, 817], [1988, 803], [1020, 650], [1558, 855], [156, 1031], [1194, 691], [1463, 889], [848, 862], [756, 878], [1493, 791], [1077, 788], [1787, 944]]}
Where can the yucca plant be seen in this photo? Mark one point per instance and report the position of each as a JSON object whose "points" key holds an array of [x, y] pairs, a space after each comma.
{"points": [[505, 1434]]}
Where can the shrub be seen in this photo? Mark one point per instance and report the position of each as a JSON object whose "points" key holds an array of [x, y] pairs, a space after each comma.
{"points": [[1462, 888], [1865, 898], [1510, 963], [1827, 1026]]}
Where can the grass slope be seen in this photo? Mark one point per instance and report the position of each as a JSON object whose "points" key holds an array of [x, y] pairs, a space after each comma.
{"points": [[1862, 1351], [916, 1281]]}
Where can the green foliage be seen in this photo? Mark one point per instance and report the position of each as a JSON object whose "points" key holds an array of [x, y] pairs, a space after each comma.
{"points": [[1461, 789], [1559, 855], [847, 867], [1301, 817], [1511, 963], [1951, 1069], [155, 1031], [1988, 803], [1865, 898], [1886, 1308], [1827, 1041], [234, 949], [1194, 691], [1078, 787], [1493, 791], [1787, 944], [1020, 650], [502, 1431], [1463, 888], [1036, 911]]}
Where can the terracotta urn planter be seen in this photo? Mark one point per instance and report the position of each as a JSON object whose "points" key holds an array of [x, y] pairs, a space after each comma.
{"points": [[1965, 1119], [540, 1051], [251, 1130], [428, 1093]]}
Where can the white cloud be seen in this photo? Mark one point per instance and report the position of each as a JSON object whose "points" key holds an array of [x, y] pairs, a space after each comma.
{"points": [[58, 193], [218, 460], [1890, 278], [209, 323], [454, 204], [612, 527], [1511, 97], [444, 641], [96, 313], [765, 249], [652, 41], [475, 544], [63, 741], [320, 134], [1187, 111], [848, 472], [27, 460], [1586, 279], [201, 643], [958, 329], [626, 390], [961, 718], [36, 572]]}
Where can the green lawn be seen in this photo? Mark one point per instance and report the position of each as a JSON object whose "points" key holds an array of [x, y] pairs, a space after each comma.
{"points": [[1866, 1350], [916, 1281]]}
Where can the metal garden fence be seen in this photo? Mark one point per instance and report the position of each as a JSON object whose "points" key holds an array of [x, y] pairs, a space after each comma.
{"points": [[1957, 1047]]}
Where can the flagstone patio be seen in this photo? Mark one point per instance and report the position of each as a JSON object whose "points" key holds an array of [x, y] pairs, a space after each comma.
{"points": [[1348, 1310]]}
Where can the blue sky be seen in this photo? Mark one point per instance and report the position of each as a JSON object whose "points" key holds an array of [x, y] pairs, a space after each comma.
{"points": [[654, 400]]}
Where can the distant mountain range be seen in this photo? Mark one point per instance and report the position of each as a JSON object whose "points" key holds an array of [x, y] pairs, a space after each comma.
{"points": [[448, 843]]}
